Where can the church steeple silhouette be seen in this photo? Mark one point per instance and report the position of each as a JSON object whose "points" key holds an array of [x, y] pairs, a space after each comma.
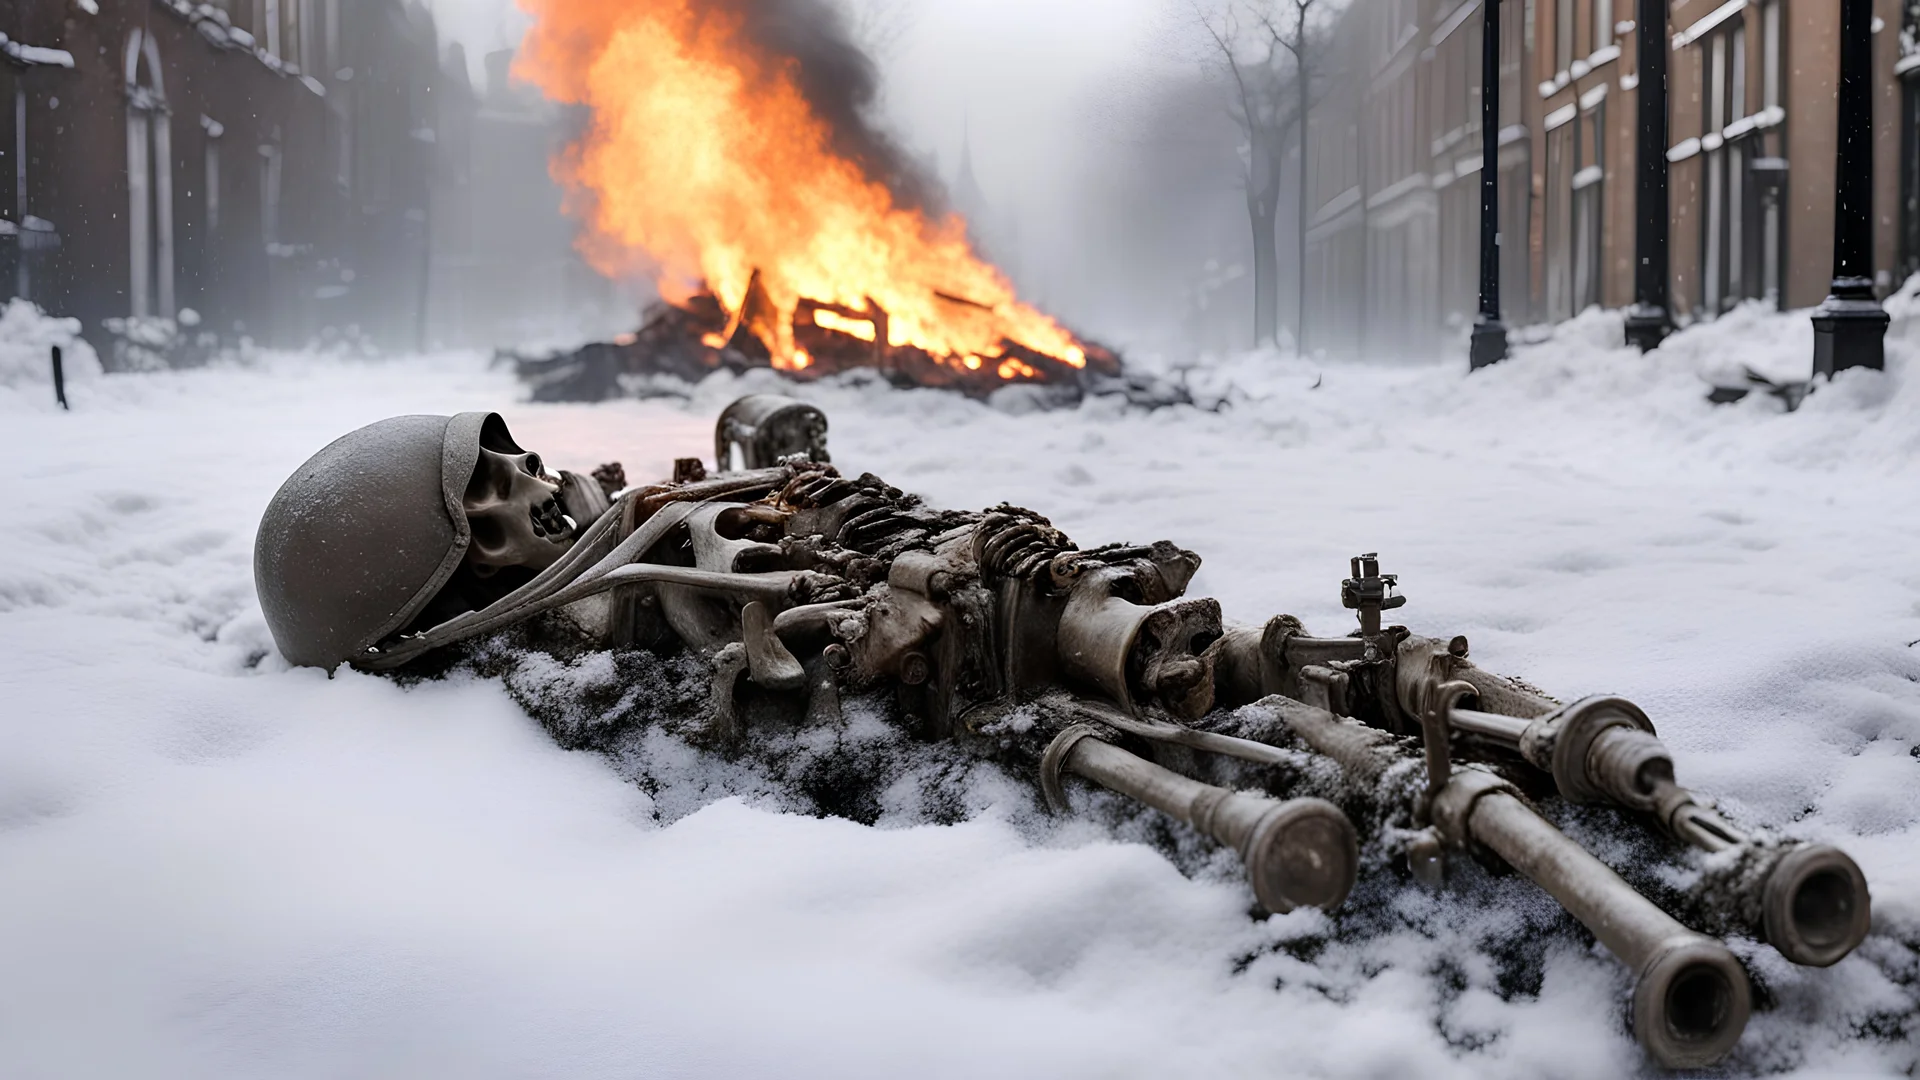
{"points": [[994, 235], [967, 196]]}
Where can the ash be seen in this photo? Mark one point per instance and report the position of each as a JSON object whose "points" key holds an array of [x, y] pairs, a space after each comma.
{"points": [[649, 714]]}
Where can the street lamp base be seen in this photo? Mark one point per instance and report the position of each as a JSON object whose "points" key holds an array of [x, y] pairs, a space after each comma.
{"points": [[1489, 344], [1647, 326], [1849, 333]]}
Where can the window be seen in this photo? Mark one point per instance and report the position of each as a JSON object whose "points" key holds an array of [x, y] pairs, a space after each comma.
{"points": [[210, 177], [1725, 73], [1770, 54], [1513, 52], [270, 194], [266, 25], [149, 181], [1563, 35], [1470, 79], [1559, 222], [1725, 272], [332, 58], [1587, 184]]}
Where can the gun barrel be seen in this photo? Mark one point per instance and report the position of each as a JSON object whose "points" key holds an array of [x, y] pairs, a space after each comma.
{"points": [[1813, 904], [1298, 852], [1690, 998], [1507, 730]]}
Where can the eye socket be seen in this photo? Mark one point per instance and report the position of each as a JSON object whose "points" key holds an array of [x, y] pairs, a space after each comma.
{"points": [[488, 534], [480, 483], [533, 465]]}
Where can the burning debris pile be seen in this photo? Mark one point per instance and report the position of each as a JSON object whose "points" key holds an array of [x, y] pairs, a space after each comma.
{"points": [[689, 341], [730, 158]]}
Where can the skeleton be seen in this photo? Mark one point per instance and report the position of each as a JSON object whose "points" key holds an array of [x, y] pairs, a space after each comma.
{"points": [[513, 509], [799, 585]]}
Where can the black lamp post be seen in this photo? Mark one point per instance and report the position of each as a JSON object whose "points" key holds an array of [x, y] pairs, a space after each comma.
{"points": [[1489, 332], [1648, 320], [1850, 327]]}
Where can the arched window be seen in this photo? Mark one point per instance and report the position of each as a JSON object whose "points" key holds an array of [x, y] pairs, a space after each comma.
{"points": [[149, 182]]}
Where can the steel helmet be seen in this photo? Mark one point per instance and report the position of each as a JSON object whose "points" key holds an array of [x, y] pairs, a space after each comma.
{"points": [[361, 538]]}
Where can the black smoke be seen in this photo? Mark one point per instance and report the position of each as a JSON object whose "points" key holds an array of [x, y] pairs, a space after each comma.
{"points": [[842, 85]]}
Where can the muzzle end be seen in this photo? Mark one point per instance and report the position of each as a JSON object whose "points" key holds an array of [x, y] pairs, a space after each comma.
{"points": [[1815, 908], [1691, 1003], [1305, 853]]}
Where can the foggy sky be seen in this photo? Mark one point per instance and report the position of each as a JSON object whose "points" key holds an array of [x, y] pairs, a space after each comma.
{"points": [[1049, 92]]}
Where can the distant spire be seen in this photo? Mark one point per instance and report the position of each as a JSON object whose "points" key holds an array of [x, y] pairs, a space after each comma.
{"points": [[967, 196]]}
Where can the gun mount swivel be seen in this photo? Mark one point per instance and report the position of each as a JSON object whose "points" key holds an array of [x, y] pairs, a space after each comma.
{"points": [[1370, 592]]}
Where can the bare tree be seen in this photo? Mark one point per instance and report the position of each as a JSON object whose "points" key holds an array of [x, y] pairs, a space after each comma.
{"points": [[880, 26], [1295, 39], [1260, 102]]}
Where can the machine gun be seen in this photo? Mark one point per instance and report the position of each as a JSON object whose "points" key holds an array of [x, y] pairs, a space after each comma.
{"points": [[1411, 719], [795, 585]]}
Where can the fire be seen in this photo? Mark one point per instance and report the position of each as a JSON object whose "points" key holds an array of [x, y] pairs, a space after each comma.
{"points": [[704, 164], [863, 329]]}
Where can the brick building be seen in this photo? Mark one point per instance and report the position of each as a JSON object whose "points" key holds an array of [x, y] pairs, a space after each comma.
{"points": [[1394, 164], [256, 168], [1752, 148]]}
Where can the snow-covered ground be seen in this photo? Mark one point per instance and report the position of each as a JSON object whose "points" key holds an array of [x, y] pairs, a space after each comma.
{"points": [[215, 866]]}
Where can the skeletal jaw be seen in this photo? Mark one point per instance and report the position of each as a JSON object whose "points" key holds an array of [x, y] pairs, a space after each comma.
{"points": [[550, 522], [514, 515]]}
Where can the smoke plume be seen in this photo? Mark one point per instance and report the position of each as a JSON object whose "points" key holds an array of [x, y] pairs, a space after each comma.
{"points": [[841, 83]]}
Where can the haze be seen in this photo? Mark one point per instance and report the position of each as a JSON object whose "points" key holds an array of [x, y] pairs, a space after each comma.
{"points": [[1080, 198]]}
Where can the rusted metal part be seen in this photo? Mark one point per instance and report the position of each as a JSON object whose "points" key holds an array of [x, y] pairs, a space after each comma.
{"points": [[1423, 663], [1691, 998], [796, 584], [1298, 852], [1166, 731], [1133, 652], [1369, 592], [1436, 735], [768, 661], [611, 478], [759, 430], [1810, 901], [1252, 662], [643, 503]]}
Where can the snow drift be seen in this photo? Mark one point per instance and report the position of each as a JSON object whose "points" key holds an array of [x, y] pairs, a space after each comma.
{"points": [[218, 866]]}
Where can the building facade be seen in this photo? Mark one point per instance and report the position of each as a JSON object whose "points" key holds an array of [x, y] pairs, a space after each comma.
{"points": [[1395, 155], [1394, 229], [504, 264], [255, 169]]}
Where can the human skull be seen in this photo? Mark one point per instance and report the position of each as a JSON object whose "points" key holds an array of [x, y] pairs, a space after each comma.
{"points": [[514, 513]]}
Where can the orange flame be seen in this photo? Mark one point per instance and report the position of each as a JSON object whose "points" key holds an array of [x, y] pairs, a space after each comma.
{"points": [[863, 329], [704, 163]]}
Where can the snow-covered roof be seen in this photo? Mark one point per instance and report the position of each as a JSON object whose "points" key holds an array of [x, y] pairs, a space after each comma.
{"points": [[34, 55], [214, 25]]}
